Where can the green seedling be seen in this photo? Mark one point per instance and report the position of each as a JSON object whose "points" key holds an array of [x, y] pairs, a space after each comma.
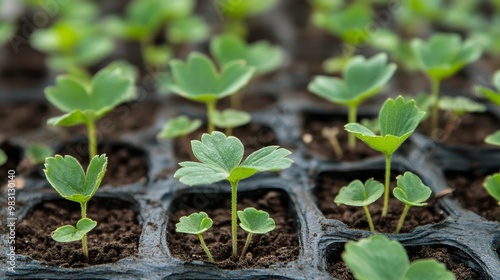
{"points": [[363, 78], [7, 30], [325, 5], [414, 15], [3, 157], [37, 153], [254, 221], [221, 158], [441, 57], [493, 139], [398, 119], [359, 194], [399, 50], [492, 95], [73, 46], [198, 80], [230, 119], [378, 258], [86, 101], [67, 177], [351, 25], [196, 223], [331, 134], [261, 55], [458, 107], [412, 192], [180, 127], [488, 35], [492, 186], [81, 10]]}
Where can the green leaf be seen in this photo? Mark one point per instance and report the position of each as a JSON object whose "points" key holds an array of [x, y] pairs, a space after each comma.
{"points": [[157, 56], [69, 233], [230, 118], [3, 157], [261, 55], [376, 258], [491, 95], [357, 194], [7, 29], [243, 9], [196, 223], [398, 119], [411, 191], [428, 269], [209, 85], [492, 185], [188, 30], [178, 127], [36, 153], [67, 177], [493, 139], [460, 105], [85, 101], [444, 54], [220, 158], [363, 79], [255, 221]]}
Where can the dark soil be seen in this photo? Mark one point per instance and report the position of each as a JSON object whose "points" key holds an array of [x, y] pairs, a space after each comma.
{"points": [[279, 246], [21, 65], [126, 164], [469, 191], [253, 136], [22, 117], [329, 184], [319, 146], [339, 269], [115, 237]]}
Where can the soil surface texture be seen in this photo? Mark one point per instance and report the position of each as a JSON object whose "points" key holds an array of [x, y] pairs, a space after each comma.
{"points": [[278, 246], [115, 237]]}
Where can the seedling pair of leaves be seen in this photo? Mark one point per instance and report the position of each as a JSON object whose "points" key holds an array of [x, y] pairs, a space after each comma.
{"points": [[66, 176], [221, 159], [441, 57], [86, 101], [265, 57], [410, 190], [378, 258], [252, 221], [198, 80], [398, 120], [363, 78]]}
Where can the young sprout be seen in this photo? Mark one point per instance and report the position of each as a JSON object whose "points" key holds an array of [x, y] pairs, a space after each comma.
{"points": [[458, 107], [441, 57], [67, 177], [37, 153], [230, 119], [492, 183], [412, 192], [493, 139], [3, 157], [398, 119], [378, 258], [86, 101], [221, 158], [492, 95], [254, 221], [198, 80], [357, 194], [331, 133], [180, 127], [363, 78], [196, 223], [398, 49], [350, 24]]}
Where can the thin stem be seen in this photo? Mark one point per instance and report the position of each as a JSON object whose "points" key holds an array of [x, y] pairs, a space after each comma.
{"points": [[92, 140], [387, 181], [435, 105], [229, 131], [205, 248], [236, 99], [84, 238], [369, 218], [234, 221], [210, 113], [249, 240], [352, 119], [450, 126], [402, 218]]}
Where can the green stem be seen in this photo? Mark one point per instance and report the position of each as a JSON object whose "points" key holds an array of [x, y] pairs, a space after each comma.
{"points": [[84, 238], [229, 131], [402, 218], [369, 218], [236, 99], [234, 221], [210, 113], [387, 181], [435, 105], [92, 140], [205, 248], [352, 119], [249, 239]]}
